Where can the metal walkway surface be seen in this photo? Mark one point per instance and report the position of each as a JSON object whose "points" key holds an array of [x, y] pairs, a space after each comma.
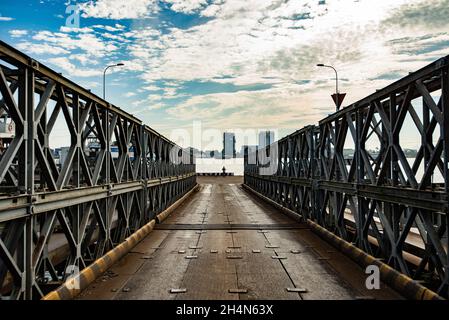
{"points": [[224, 243]]}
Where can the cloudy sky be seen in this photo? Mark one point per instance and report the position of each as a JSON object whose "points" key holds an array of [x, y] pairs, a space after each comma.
{"points": [[230, 63]]}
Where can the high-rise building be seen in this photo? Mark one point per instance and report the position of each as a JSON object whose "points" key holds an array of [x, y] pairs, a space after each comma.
{"points": [[228, 145], [265, 138]]}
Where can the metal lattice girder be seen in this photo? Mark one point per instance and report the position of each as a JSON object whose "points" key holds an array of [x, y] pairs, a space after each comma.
{"points": [[384, 202], [55, 217]]}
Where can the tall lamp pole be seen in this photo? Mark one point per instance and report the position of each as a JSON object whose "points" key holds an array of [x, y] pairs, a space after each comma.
{"points": [[336, 82], [104, 76]]}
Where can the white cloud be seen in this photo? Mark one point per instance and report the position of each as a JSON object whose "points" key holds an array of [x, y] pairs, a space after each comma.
{"points": [[119, 9], [152, 88], [265, 41], [75, 30], [6, 18], [156, 106], [87, 42], [170, 92], [84, 59], [186, 6], [41, 48], [18, 33], [71, 69], [246, 109], [116, 27], [279, 43]]}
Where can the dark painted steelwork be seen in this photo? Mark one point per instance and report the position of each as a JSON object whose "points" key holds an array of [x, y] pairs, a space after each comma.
{"points": [[382, 201], [88, 203]]}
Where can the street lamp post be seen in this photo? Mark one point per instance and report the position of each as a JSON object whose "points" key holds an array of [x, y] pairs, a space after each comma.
{"points": [[104, 76], [336, 82]]}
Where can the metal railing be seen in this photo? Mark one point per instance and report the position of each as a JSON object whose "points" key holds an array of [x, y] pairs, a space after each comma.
{"points": [[388, 203], [60, 212]]}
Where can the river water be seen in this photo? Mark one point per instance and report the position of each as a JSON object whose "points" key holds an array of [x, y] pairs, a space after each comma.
{"points": [[236, 166]]}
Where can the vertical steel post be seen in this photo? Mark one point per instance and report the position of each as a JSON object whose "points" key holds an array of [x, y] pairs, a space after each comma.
{"points": [[27, 94], [444, 132]]}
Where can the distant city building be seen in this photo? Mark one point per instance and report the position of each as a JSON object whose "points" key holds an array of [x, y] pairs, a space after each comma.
{"points": [[265, 138], [228, 145]]}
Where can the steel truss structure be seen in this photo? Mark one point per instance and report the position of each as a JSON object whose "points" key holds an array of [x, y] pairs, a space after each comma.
{"points": [[57, 218], [385, 203]]}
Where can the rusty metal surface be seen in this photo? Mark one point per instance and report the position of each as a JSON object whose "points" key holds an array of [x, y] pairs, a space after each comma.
{"points": [[309, 263]]}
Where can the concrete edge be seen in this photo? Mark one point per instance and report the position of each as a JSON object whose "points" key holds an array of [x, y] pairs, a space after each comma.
{"points": [[164, 214], [74, 286], [403, 284]]}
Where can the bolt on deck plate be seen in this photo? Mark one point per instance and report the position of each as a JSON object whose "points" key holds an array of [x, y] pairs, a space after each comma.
{"points": [[270, 246], [178, 290], [238, 290], [214, 251], [195, 247], [298, 290], [181, 251], [191, 257], [295, 251], [263, 231], [234, 257], [364, 298], [256, 251], [278, 257]]}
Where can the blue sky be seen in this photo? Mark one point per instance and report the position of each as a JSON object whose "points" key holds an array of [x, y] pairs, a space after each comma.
{"points": [[230, 63]]}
